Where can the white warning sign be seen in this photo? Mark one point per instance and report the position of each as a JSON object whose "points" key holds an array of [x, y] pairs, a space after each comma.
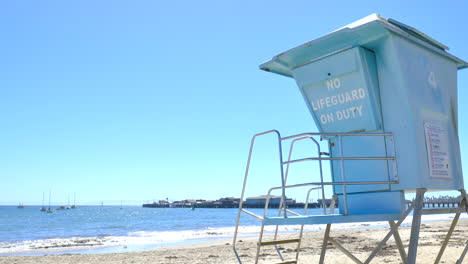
{"points": [[437, 152]]}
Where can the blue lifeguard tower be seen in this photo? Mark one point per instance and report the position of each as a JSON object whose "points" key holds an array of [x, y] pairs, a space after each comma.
{"points": [[384, 96]]}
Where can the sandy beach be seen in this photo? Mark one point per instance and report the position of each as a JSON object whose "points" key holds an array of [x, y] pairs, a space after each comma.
{"points": [[358, 241]]}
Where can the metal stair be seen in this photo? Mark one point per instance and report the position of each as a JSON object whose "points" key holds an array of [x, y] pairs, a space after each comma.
{"points": [[278, 242]]}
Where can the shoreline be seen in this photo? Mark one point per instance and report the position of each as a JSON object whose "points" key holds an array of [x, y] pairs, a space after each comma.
{"points": [[142, 241], [174, 239], [359, 241]]}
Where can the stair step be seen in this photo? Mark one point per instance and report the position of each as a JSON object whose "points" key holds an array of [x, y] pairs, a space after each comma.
{"points": [[288, 262], [277, 242]]}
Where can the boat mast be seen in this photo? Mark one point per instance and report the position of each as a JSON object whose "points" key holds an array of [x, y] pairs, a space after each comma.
{"points": [[49, 210]]}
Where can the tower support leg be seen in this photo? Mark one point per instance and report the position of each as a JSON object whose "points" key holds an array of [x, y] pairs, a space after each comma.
{"points": [[324, 245], [415, 226], [460, 260], [462, 207], [398, 241]]}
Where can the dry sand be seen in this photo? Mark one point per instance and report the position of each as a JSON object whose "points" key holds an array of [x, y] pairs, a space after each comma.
{"points": [[358, 241]]}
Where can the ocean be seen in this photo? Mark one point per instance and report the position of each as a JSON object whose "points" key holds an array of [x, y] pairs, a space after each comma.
{"points": [[108, 229]]}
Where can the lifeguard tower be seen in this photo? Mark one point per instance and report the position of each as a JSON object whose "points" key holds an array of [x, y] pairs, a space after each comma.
{"points": [[384, 96]]}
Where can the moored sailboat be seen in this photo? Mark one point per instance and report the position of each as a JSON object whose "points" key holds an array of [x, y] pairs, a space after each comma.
{"points": [[49, 210], [74, 201], [43, 209]]}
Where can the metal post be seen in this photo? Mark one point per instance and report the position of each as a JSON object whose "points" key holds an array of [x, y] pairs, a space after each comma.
{"points": [[393, 229], [464, 199], [252, 143], [324, 245], [260, 237], [343, 177], [344, 250], [396, 236], [460, 260], [321, 177], [447, 237], [306, 207], [283, 180], [236, 229], [333, 204], [415, 226], [327, 231], [462, 207]]}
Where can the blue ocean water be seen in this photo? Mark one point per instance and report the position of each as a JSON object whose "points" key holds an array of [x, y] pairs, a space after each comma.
{"points": [[96, 229], [31, 224]]}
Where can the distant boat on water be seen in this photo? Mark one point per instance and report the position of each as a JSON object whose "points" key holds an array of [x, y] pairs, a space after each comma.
{"points": [[74, 201], [43, 209], [63, 207], [68, 206], [48, 209], [20, 206]]}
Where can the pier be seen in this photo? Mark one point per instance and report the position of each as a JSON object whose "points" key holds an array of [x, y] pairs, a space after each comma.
{"points": [[230, 202]]}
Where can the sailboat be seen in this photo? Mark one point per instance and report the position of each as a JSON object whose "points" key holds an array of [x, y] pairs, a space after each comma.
{"points": [[48, 209], [68, 206], [43, 209], [20, 206], [74, 201]]}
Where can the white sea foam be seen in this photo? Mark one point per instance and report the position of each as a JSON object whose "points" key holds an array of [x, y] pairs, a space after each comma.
{"points": [[52, 245]]}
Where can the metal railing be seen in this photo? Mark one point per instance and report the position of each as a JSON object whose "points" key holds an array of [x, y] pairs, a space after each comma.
{"points": [[319, 185]]}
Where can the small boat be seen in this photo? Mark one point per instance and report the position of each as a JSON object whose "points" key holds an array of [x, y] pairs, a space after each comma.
{"points": [[43, 209], [74, 201], [60, 208], [20, 206], [48, 209], [68, 206]]}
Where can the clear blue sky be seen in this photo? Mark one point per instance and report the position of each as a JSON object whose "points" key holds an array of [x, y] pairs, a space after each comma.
{"points": [[142, 100]]}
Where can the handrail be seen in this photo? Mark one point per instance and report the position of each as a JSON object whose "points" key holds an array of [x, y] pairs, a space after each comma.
{"points": [[252, 214], [306, 206], [293, 143], [283, 203], [301, 137], [337, 134], [321, 184], [252, 143], [292, 212], [341, 158], [333, 183], [268, 196]]}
